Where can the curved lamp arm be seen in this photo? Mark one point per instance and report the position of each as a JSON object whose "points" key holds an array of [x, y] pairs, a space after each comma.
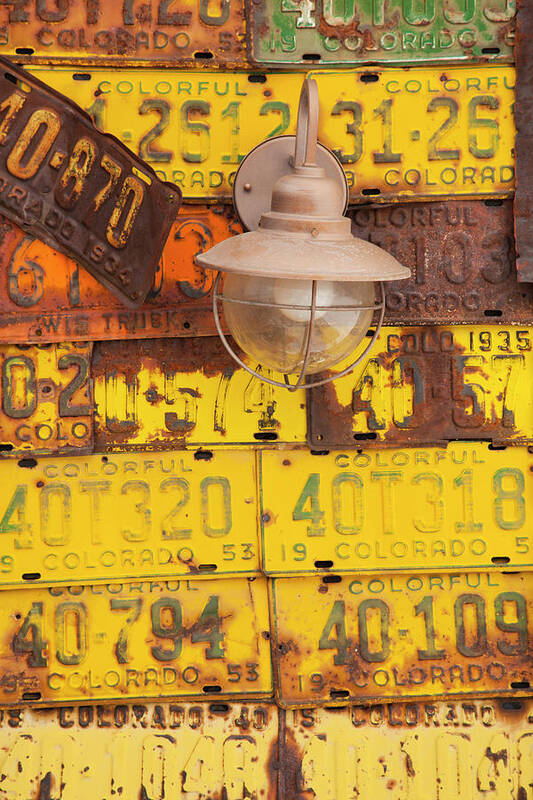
{"points": [[307, 125]]}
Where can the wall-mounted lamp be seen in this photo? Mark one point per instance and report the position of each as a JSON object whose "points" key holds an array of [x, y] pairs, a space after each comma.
{"points": [[299, 292]]}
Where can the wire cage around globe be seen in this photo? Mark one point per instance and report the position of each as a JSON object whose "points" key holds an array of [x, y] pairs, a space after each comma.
{"points": [[307, 337]]}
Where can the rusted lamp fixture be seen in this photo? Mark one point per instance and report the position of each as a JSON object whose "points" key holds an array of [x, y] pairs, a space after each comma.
{"points": [[299, 292]]}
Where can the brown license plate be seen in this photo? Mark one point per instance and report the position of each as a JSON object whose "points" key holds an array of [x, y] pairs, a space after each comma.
{"points": [[46, 403], [148, 750], [471, 749], [368, 639], [114, 33], [524, 140], [48, 298], [79, 189], [428, 386], [462, 258], [161, 394]]}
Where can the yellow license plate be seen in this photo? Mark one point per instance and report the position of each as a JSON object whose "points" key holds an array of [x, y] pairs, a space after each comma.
{"points": [[168, 393], [367, 639], [466, 506], [195, 128], [45, 399], [131, 751], [426, 385], [203, 639], [148, 515], [418, 751]]}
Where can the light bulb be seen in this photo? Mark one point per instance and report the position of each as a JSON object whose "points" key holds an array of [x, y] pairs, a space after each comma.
{"points": [[275, 337]]}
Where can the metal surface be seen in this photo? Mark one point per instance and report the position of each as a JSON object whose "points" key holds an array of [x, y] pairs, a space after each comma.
{"points": [[460, 142], [461, 253], [216, 750], [48, 298], [523, 114], [89, 32], [428, 386], [93, 519], [204, 639], [402, 636], [253, 184], [473, 749], [287, 32], [172, 393], [46, 400], [433, 510], [78, 189]]}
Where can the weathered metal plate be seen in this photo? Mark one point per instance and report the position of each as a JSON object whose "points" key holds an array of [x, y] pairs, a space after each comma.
{"points": [[162, 394], [404, 636], [121, 642], [88, 32], [48, 298], [460, 141], [216, 750], [474, 749], [523, 114], [139, 516], [428, 386], [430, 510], [285, 32], [78, 189], [462, 259], [46, 400]]}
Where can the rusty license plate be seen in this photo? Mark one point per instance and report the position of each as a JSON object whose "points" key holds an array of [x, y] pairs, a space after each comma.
{"points": [[48, 298], [190, 125], [473, 749], [465, 506], [147, 750], [128, 517], [288, 32], [162, 394], [202, 639], [462, 258], [46, 399], [524, 141], [401, 636], [429, 386], [89, 32], [78, 189]]}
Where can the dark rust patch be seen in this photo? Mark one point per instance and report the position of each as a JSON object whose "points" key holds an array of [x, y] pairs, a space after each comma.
{"points": [[523, 114]]}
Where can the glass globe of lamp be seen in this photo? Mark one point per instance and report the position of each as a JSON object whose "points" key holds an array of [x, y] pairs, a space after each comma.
{"points": [[300, 292]]}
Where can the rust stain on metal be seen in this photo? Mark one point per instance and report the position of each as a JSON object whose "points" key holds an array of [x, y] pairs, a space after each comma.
{"points": [[50, 299], [430, 386], [98, 33], [80, 190], [461, 254], [523, 114]]}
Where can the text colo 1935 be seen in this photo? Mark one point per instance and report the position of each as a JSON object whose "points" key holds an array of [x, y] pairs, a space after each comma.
{"points": [[474, 749], [283, 32], [402, 636], [79, 189], [179, 749], [163, 394], [203, 639], [190, 126], [428, 386], [431, 509], [128, 517], [91, 32], [48, 298], [46, 402]]}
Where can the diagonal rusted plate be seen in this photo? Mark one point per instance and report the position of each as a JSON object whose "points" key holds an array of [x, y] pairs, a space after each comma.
{"points": [[78, 189], [523, 114]]}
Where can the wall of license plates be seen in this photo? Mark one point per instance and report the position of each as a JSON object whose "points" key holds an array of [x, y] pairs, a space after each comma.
{"points": [[211, 587]]}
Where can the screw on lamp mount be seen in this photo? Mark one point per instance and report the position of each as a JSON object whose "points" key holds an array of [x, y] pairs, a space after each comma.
{"points": [[291, 193]]}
